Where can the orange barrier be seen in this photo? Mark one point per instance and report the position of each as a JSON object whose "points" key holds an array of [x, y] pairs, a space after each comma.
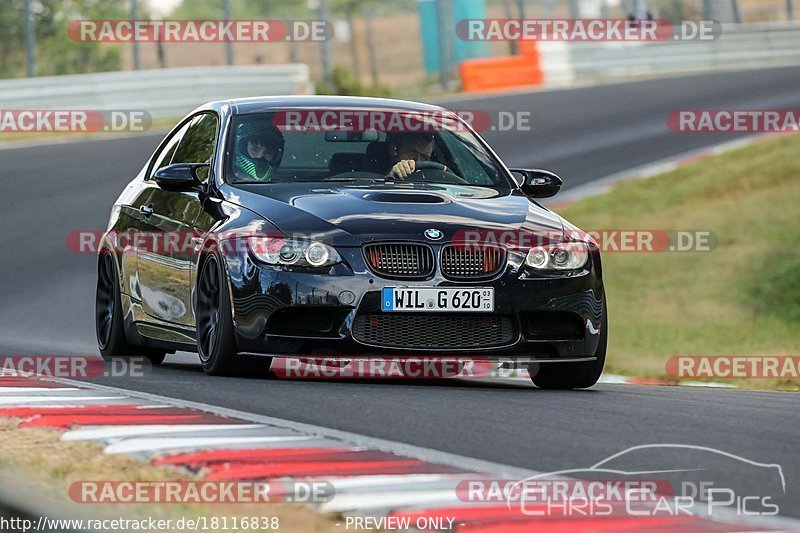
{"points": [[503, 72]]}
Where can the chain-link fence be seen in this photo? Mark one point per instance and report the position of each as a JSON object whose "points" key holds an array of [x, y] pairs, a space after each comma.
{"points": [[378, 48]]}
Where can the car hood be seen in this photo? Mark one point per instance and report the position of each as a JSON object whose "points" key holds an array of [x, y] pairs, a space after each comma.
{"points": [[348, 215]]}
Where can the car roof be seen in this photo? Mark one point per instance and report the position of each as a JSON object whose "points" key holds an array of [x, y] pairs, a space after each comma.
{"points": [[258, 104]]}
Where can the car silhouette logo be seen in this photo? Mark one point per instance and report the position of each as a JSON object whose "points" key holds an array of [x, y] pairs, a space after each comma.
{"points": [[433, 234]]}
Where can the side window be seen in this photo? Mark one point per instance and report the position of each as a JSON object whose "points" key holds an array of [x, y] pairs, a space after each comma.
{"points": [[197, 144], [164, 157]]}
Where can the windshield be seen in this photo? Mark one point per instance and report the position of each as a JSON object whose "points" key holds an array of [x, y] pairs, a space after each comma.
{"points": [[289, 146]]}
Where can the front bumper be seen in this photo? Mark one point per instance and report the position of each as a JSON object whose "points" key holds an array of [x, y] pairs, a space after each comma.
{"points": [[278, 311]]}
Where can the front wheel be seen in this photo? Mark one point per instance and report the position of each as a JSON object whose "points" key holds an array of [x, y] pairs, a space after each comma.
{"points": [[573, 375], [216, 343], [109, 326]]}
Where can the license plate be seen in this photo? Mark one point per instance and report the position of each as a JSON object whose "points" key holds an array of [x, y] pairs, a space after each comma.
{"points": [[437, 299]]}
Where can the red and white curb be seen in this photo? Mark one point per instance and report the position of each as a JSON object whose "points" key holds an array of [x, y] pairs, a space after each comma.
{"points": [[628, 380], [520, 377], [371, 477]]}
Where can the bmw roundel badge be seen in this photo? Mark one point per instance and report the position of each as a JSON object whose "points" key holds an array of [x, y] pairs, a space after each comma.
{"points": [[433, 234]]}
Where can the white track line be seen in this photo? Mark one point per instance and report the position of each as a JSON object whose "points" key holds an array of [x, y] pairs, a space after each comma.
{"points": [[196, 443], [75, 400], [389, 500], [615, 379], [10, 391], [65, 139], [116, 432], [649, 170], [355, 483]]}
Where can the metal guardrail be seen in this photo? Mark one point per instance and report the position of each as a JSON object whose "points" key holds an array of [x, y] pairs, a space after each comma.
{"points": [[161, 92], [739, 46], [174, 92]]}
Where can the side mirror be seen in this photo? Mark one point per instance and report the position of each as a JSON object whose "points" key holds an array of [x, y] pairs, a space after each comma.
{"points": [[538, 183], [179, 177]]}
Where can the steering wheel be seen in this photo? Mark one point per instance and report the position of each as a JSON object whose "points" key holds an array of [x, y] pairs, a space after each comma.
{"points": [[430, 165], [438, 167]]}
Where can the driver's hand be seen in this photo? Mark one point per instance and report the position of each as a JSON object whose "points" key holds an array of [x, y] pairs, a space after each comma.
{"points": [[402, 169]]}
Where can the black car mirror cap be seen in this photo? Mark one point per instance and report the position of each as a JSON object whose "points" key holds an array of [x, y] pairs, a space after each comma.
{"points": [[538, 183], [180, 177]]}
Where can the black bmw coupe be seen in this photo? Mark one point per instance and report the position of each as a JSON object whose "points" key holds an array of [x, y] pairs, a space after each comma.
{"points": [[339, 226]]}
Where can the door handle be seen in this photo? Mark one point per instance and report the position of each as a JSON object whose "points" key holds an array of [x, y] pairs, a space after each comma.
{"points": [[146, 210]]}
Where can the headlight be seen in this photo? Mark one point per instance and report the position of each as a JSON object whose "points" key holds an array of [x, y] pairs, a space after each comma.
{"points": [[289, 252], [561, 256]]}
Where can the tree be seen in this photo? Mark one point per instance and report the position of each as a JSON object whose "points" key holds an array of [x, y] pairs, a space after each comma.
{"points": [[56, 53]]}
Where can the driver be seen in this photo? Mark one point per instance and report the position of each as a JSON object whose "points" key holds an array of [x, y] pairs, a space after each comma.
{"points": [[259, 150], [406, 150]]}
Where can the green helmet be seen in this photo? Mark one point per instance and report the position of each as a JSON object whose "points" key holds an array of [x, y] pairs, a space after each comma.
{"points": [[266, 132]]}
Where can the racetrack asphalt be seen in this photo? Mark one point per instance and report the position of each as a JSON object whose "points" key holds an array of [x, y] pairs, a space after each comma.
{"points": [[583, 134]]}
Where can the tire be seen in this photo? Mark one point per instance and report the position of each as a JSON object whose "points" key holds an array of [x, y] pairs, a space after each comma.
{"points": [[573, 375], [111, 339], [216, 342]]}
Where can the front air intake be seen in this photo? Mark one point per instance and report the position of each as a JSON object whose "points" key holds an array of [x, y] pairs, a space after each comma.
{"points": [[472, 262], [400, 260]]}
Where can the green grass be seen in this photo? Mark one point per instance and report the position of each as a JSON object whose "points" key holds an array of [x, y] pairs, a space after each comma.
{"points": [[741, 298]]}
